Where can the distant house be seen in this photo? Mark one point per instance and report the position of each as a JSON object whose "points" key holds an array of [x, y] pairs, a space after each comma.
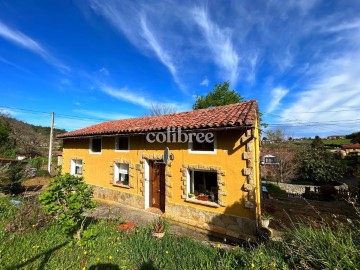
{"points": [[350, 150], [210, 185], [335, 137], [268, 159], [276, 164]]}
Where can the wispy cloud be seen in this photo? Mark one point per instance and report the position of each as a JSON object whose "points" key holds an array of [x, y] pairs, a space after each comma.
{"points": [[134, 97], [205, 82], [220, 44], [104, 71], [159, 51], [131, 20], [103, 115], [30, 44], [7, 111], [277, 94], [330, 98], [125, 94], [13, 65]]}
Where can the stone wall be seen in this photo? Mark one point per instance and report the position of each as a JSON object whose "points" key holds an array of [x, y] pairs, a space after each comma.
{"points": [[118, 196], [300, 189], [224, 224]]}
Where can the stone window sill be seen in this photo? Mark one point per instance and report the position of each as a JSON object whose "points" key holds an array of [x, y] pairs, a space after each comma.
{"points": [[206, 203], [121, 185]]}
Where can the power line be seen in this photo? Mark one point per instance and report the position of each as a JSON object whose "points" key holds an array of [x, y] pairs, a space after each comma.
{"points": [[58, 115], [290, 122]]}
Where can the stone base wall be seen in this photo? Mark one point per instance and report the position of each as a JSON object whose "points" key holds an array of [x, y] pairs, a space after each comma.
{"points": [[300, 189], [224, 224], [119, 196]]}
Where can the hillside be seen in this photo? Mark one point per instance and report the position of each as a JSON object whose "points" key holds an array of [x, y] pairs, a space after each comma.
{"points": [[18, 137]]}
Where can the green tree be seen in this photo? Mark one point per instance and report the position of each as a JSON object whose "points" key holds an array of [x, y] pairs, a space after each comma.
{"points": [[221, 95], [67, 199], [276, 135], [11, 177], [319, 165], [6, 148], [317, 142]]}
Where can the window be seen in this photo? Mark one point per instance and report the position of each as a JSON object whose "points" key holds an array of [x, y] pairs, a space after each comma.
{"points": [[203, 186], [121, 174], [202, 146], [76, 167], [122, 144], [95, 145]]}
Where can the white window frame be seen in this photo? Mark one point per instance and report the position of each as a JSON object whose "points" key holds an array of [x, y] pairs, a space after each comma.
{"points": [[117, 169], [188, 183], [116, 144], [73, 165], [190, 144], [90, 146]]}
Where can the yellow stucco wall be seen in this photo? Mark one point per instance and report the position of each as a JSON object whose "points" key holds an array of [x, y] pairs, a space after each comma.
{"points": [[229, 156]]}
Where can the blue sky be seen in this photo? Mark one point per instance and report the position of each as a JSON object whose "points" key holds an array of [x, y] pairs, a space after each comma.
{"points": [[96, 60]]}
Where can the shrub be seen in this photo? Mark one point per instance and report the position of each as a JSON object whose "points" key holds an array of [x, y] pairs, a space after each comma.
{"points": [[308, 247], [67, 198], [42, 173], [36, 162], [274, 189], [11, 177]]}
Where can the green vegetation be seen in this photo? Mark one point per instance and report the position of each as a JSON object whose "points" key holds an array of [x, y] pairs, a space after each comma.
{"points": [[319, 165], [33, 241], [274, 189], [17, 137], [354, 137], [338, 142], [67, 198], [42, 173], [7, 148], [11, 177], [37, 162], [221, 95]]}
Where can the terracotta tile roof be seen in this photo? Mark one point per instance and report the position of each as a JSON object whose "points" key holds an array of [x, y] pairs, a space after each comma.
{"points": [[351, 146], [239, 114]]}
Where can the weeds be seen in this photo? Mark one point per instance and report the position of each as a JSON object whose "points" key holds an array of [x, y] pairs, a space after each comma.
{"points": [[317, 246]]}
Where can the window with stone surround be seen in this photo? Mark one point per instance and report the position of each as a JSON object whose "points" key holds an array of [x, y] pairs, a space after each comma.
{"points": [[202, 186], [121, 174], [76, 167]]}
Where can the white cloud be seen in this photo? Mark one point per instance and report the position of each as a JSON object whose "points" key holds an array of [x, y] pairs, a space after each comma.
{"points": [[205, 82], [103, 115], [30, 44], [13, 65], [135, 97], [7, 111], [104, 71], [125, 94], [220, 44], [328, 102], [131, 20], [277, 94], [159, 51]]}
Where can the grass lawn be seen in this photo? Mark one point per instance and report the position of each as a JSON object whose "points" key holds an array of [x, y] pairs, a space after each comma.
{"points": [[30, 240]]}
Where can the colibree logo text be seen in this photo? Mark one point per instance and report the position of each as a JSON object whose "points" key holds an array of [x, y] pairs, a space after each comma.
{"points": [[175, 135]]}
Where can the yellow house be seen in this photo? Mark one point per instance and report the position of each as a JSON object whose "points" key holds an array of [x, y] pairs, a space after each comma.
{"points": [[200, 168]]}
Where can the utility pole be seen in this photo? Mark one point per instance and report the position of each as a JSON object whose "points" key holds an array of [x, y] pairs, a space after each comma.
{"points": [[51, 141]]}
